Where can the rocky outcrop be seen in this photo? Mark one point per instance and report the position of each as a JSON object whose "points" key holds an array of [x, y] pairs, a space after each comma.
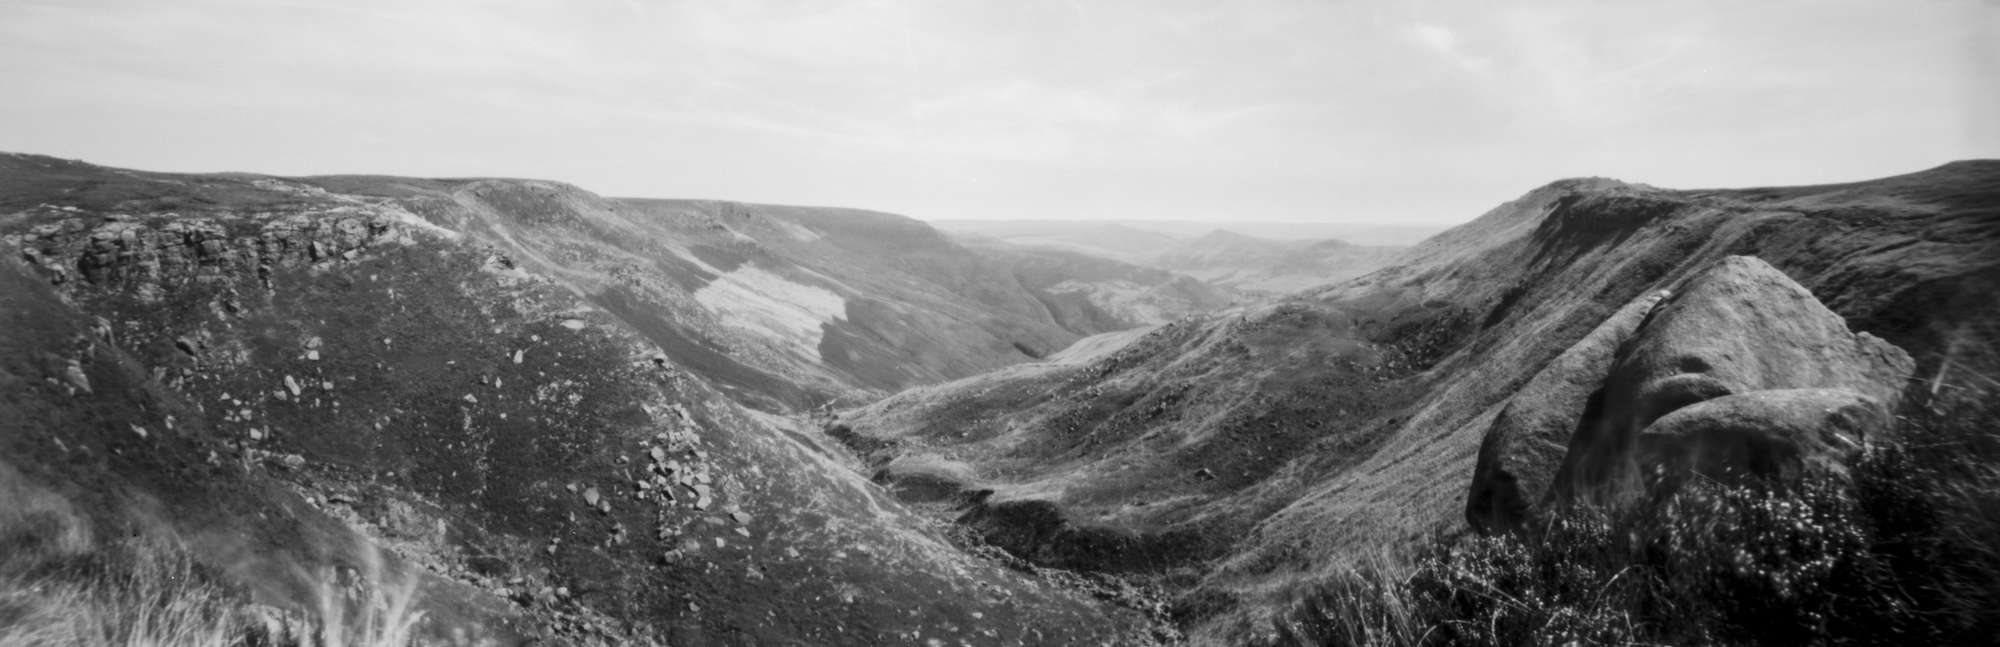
{"points": [[1520, 453], [1742, 339], [144, 254]]}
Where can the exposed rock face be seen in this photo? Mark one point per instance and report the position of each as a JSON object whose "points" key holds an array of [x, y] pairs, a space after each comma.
{"points": [[143, 253], [1741, 327], [1742, 373], [1521, 451]]}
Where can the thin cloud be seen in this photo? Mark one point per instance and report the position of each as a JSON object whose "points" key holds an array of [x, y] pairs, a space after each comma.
{"points": [[1289, 110]]}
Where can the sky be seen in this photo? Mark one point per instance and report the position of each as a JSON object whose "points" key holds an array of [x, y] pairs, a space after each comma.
{"points": [[1257, 110]]}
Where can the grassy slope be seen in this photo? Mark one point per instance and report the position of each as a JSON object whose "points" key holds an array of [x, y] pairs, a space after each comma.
{"points": [[420, 425], [917, 307], [1365, 437]]}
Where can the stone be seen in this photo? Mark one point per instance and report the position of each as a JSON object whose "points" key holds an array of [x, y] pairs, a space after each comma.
{"points": [[73, 374], [1772, 434], [1740, 326], [1521, 450]]}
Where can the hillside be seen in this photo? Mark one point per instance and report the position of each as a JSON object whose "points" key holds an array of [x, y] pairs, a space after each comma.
{"points": [[519, 398], [1245, 455], [783, 307], [554, 417], [1266, 266]]}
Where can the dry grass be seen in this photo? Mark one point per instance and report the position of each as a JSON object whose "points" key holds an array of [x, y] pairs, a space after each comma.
{"points": [[132, 598], [61, 587]]}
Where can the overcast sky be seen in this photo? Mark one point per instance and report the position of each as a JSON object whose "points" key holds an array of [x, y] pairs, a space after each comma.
{"points": [[1272, 110]]}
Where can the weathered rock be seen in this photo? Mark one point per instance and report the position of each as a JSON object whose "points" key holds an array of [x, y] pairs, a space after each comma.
{"points": [[74, 376], [1775, 434], [146, 256], [1739, 327], [1520, 453], [187, 346]]}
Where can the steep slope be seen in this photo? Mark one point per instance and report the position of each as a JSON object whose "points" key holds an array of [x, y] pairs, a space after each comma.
{"points": [[1259, 448], [784, 307], [1269, 266], [284, 377]]}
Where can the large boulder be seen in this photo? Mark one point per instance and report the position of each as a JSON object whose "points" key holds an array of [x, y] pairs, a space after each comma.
{"points": [[1738, 327], [1521, 451], [1782, 433]]}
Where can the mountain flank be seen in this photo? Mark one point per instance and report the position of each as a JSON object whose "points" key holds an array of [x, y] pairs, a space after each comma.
{"points": [[543, 416], [1245, 455]]}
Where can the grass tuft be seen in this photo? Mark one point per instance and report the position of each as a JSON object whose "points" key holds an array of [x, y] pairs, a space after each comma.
{"points": [[59, 590]]}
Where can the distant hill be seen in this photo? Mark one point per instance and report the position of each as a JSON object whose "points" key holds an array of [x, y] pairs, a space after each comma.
{"points": [[1118, 241], [1136, 239], [1267, 266], [1225, 256]]}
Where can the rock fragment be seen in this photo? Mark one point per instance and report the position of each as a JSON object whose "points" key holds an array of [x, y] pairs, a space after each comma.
{"points": [[187, 347], [73, 374]]}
